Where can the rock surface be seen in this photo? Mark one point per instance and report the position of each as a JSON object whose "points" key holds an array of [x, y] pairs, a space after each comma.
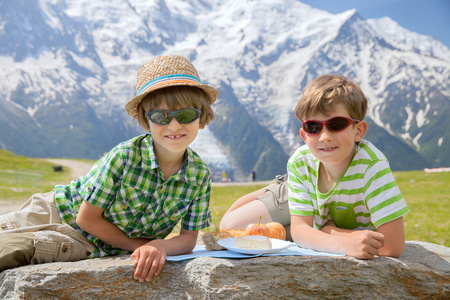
{"points": [[423, 271]]}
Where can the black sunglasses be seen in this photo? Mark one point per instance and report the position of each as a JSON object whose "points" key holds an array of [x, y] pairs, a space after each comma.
{"points": [[333, 124], [183, 116]]}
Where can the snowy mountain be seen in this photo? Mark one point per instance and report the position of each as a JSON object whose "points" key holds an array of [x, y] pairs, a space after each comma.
{"points": [[68, 67]]}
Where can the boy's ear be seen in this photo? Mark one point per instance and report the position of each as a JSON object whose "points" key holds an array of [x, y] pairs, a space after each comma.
{"points": [[361, 129], [303, 134]]}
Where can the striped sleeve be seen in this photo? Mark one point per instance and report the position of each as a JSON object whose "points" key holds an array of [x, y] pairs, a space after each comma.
{"points": [[300, 182], [382, 195]]}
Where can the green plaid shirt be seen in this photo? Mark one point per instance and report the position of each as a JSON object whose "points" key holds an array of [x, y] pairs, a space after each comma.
{"points": [[128, 184]]}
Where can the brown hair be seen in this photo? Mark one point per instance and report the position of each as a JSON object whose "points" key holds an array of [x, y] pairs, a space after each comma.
{"points": [[324, 93], [176, 97]]}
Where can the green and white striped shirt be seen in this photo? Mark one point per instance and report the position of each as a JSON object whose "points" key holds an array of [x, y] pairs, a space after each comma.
{"points": [[128, 184], [365, 197]]}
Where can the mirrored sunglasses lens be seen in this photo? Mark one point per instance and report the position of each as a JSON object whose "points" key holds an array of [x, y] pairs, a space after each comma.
{"points": [[187, 116], [337, 124], [160, 117], [312, 127]]}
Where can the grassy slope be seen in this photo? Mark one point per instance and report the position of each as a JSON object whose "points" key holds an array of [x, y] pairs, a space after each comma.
{"points": [[427, 194], [428, 197], [20, 176]]}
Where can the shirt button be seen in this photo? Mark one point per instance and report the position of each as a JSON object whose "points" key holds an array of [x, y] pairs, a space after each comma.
{"points": [[175, 211], [3, 226], [89, 189], [64, 249]]}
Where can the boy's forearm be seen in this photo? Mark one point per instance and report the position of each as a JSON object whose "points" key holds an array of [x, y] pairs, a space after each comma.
{"points": [[393, 232], [181, 244], [90, 219], [305, 235], [308, 237], [111, 234], [363, 244], [331, 229]]}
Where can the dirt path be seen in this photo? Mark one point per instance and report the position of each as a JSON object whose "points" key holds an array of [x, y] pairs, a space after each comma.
{"points": [[78, 168]]}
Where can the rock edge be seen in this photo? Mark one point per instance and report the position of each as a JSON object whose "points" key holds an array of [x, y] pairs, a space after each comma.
{"points": [[423, 271]]}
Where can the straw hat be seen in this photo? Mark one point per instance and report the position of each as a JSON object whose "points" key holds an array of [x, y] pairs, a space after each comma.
{"points": [[165, 71]]}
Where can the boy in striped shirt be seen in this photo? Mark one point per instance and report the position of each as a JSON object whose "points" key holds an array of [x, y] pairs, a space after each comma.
{"points": [[343, 197]]}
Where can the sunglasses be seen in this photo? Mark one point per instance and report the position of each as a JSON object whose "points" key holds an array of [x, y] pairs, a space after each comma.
{"points": [[183, 116], [333, 124]]}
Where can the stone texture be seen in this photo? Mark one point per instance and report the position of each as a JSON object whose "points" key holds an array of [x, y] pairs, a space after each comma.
{"points": [[423, 271]]}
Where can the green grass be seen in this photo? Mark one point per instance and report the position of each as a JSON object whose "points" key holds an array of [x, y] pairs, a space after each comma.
{"points": [[427, 194], [428, 198], [20, 177]]}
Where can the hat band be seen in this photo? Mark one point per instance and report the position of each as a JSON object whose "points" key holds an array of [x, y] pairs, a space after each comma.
{"points": [[164, 80]]}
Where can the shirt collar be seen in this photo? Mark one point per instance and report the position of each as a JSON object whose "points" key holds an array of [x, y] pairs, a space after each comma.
{"points": [[150, 162], [189, 167]]}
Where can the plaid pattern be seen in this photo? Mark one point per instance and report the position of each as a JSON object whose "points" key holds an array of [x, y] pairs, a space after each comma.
{"points": [[128, 184]]}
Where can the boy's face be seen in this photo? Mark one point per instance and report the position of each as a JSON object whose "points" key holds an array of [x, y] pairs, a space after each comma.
{"points": [[334, 149], [173, 138]]}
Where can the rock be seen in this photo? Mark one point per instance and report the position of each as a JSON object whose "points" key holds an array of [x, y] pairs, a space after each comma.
{"points": [[423, 271]]}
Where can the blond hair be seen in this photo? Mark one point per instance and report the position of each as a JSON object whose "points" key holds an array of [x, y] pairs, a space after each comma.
{"points": [[175, 97], [324, 93]]}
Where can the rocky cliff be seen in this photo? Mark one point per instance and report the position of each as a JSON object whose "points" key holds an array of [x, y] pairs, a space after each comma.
{"points": [[423, 271]]}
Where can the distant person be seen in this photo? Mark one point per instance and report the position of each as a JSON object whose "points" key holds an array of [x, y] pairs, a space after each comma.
{"points": [[253, 176], [341, 194], [224, 176], [133, 197]]}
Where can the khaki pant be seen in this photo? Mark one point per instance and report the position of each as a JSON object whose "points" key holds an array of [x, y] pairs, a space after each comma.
{"points": [[276, 201], [35, 235]]}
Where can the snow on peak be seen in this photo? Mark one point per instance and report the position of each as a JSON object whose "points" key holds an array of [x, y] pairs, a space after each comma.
{"points": [[407, 40]]}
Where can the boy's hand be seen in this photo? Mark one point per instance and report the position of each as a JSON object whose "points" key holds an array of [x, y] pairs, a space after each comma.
{"points": [[149, 261], [150, 258], [363, 244]]}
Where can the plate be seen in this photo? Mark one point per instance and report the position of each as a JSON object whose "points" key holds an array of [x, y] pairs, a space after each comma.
{"points": [[277, 246]]}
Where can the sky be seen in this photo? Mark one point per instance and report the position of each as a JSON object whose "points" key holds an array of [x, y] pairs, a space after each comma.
{"points": [[428, 17]]}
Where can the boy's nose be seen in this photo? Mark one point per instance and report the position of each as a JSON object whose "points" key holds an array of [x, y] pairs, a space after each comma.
{"points": [[174, 124], [325, 135]]}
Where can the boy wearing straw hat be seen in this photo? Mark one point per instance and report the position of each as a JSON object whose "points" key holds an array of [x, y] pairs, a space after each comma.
{"points": [[133, 197]]}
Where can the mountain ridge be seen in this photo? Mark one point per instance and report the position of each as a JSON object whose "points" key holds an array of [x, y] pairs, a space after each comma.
{"points": [[65, 97]]}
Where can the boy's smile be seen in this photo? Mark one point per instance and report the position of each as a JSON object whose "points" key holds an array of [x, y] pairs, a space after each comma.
{"points": [[328, 149], [175, 137]]}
